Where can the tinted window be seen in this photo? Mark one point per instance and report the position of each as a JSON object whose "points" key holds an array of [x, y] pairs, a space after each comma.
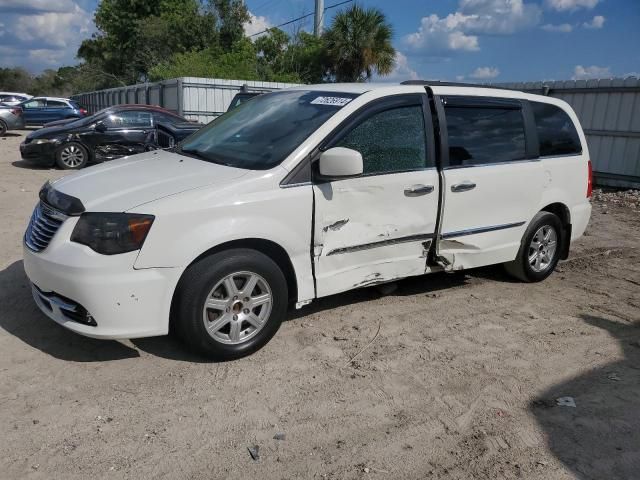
{"points": [[167, 118], [479, 135], [556, 133], [261, 133], [393, 140], [56, 104], [129, 119]]}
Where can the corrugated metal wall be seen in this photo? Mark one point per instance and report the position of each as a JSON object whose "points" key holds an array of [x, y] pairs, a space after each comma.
{"points": [[201, 99], [609, 111]]}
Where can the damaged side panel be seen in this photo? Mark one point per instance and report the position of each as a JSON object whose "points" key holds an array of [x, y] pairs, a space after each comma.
{"points": [[368, 231]]}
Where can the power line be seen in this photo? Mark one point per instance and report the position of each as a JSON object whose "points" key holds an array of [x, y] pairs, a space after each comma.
{"points": [[302, 17]]}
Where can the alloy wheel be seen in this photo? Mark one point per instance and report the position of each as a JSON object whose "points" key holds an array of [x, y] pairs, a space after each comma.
{"points": [[72, 156], [237, 308], [542, 249]]}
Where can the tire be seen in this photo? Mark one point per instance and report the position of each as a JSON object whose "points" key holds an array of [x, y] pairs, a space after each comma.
{"points": [[230, 328], [72, 156], [546, 227], [3, 128]]}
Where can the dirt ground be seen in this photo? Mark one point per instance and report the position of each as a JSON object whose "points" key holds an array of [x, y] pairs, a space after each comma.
{"points": [[461, 381]]}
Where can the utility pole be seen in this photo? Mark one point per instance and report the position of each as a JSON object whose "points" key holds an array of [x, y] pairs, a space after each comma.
{"points": [[318, 23]]}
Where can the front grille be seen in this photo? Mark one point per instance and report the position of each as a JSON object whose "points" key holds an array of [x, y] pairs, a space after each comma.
{"points": [[43, 225]]}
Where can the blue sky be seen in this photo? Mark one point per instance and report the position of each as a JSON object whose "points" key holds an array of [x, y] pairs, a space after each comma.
{"points": [[469, 40]]}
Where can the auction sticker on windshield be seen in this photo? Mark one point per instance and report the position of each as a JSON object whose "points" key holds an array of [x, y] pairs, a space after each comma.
{"points": [[335, 101]]}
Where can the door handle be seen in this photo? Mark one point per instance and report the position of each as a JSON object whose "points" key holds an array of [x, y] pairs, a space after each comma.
{"points": [[417, 190], [463, 187]]}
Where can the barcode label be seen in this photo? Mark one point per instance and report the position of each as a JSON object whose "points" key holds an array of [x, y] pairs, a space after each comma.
{"points": [[335, 101]]}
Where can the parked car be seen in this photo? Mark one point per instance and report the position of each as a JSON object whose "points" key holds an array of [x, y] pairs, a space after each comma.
{"points": [[111, 133], [304, 193], [13, 98], [41, 110], [11, 118]]}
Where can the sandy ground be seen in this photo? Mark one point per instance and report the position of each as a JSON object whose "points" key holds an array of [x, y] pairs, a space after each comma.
{"points": [[460, 383]]}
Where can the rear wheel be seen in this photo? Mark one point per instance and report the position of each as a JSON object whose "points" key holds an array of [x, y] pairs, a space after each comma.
{"points": [[230, 304], [539, 250], [71, 156]]}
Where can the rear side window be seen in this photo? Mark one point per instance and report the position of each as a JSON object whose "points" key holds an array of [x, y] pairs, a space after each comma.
{"points": [[56, 104], [485, 134], [130, 119], [390, 141], [557, 134]]}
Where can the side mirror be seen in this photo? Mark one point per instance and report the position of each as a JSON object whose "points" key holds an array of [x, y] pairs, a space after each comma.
{"points": [[101, 127], [340, 162]]}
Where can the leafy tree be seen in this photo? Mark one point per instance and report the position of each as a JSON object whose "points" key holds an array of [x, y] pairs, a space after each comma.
{"points": [[15, 80], [359, 42], [233, 14]]}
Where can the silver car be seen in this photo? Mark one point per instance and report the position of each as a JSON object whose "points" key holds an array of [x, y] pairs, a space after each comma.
{"points": [[11, 118]]}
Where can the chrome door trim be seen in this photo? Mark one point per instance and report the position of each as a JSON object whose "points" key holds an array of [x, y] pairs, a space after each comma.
{"points": [[474, 231], [382, 243]]}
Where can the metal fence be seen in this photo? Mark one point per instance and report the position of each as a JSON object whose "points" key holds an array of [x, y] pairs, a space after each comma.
{"points": [[609, 111], [201, 99]]}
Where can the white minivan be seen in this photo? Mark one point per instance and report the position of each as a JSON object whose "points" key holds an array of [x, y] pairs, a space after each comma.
{"points": [[304, 193]]}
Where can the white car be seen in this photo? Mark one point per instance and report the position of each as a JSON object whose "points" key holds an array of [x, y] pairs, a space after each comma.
{"points": [[13, 98], [305, 193]]}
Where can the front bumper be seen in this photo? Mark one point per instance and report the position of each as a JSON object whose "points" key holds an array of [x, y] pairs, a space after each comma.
{"points": [[43, 153], [123, 302]]}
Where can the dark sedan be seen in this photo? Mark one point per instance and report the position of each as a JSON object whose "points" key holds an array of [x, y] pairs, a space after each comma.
{"points": [[111, 133]]}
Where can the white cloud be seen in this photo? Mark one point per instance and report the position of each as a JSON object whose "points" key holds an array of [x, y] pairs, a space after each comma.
{"points": [[53, 28], [562, 28], [44, 33], [401, 72], [594, 71], [562, 5], [596, 23], [460, 78], [30, 6], [485, 73], [631, 74], [459, 31], [256, 24]]}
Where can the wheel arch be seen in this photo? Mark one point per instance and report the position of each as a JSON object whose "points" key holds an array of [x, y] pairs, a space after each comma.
{"points": [[267, 247], [564, 214]]}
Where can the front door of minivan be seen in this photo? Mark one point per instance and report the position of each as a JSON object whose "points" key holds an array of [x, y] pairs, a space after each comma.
{"points": [[378, 226], [493, 182]]}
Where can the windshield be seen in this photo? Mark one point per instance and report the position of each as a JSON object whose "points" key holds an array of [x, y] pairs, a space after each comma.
{"points": [[260, 134]]}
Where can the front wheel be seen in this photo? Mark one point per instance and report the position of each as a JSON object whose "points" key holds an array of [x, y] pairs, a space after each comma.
{"points": [[540, 249], [230, 304], [71, 156]]}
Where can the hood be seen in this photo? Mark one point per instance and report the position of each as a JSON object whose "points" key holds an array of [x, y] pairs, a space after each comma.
{"points": [[123, 184], [48, 132], [58, 123]]}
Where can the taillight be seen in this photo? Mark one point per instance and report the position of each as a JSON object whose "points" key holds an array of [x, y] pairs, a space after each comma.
{"points": [[16, 111], [83, 111], [590, 180]]}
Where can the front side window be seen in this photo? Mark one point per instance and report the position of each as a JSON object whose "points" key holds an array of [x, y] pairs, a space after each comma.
{"points": [[129, 119], [557, 134], [260, 134], [390, 141], [37, 103], [485, 134]]}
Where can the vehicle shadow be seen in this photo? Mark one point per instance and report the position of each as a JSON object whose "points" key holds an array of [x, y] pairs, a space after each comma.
{"points": [[30, 165], [599, 437], [10, 134], [20, 317]]}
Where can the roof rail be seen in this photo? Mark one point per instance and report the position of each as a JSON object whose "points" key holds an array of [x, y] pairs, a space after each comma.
{"points": [[438, 83]]}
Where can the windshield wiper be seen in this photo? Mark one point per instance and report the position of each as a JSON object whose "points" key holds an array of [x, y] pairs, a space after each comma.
{"points": [[195, 153]]}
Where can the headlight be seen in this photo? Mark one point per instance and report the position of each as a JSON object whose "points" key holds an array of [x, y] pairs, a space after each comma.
{"points": [[39, 141], [112, 233]]}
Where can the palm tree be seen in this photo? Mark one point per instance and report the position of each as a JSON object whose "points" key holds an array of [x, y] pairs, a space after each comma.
{"points": [[359, 42]]}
